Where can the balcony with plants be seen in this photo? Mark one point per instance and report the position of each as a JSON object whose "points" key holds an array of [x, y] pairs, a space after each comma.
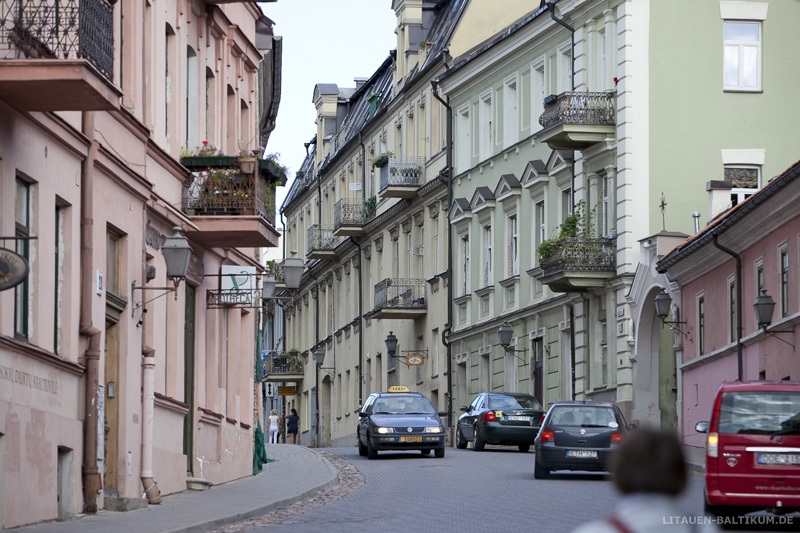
{"points": [[575, 120], [400, 176], [322, 242], [58, 55], [400, 298], [284, 366], [576, 260], [232, 198], [350, 216]]}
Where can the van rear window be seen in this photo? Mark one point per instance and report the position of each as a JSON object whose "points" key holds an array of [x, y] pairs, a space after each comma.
{"points": [[759, 412]]}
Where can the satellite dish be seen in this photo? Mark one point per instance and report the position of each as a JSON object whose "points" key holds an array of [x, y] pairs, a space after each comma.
{"points": [[13, 269]]}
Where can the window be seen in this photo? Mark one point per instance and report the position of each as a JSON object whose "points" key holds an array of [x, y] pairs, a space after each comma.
{"points": [[58, 278], [463, 145], [564, 68], [510, 108], [487, 255], [112, 263], [742, 55], [486, 127], [600, 74], [701, 325], [435, 358], [540, 229], [759, 277], [436, 254], [22, 232], [566, 204], [537, 93], [191, 98], [606, 206], [464, 255], [784, 259], [512, 249], [745, 180]]}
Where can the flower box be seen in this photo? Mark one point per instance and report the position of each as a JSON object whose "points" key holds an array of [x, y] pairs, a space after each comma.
{"points": [[218, 161], [247, 165]]}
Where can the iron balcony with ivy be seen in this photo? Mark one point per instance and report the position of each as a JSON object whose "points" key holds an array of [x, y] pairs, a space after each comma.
{"points": [[350, 215], [232, 200], [576, 263]]}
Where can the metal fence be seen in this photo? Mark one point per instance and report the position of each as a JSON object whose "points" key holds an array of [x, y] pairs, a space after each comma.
{"points": [[402, 170], [227, 192], [579, 254], [322, 238], [574, 107], [59, 29], [349, 213], [396, 293]]}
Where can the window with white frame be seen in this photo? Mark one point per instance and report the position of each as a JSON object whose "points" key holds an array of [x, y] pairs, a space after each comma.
{"points": [[732, 322], [540, 229], [485, 139], [701, 324], [564, 68], [396, 261], [759, 277], [464, 265], [436, 245], [566, 203], [512, 249], [600, 74], [745, 181], [607, 204], [538, 88], [742, 55], [784, 277], [463, 149], [486, 269], [510, 112], [409, 254], [435, 355]]}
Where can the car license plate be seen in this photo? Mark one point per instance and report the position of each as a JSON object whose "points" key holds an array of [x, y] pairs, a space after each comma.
{"points": [[519, 418], [779, 459], [582, 454], [410, 439]]}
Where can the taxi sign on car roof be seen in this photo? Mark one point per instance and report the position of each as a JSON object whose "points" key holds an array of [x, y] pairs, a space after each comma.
{"points": [[398, 388]]}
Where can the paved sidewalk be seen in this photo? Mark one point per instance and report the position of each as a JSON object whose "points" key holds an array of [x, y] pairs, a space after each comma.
{"points": [[296, 473]]}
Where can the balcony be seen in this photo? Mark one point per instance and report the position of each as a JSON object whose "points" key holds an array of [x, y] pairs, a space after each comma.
{"points": [[577, 120], [231, 202], [400, 298], [58, 55], [322, 243], [577, 264], [400, 177], [349, 217], [283, 366]]}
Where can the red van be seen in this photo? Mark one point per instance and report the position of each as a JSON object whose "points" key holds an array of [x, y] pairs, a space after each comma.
{"points": [[753, 449]]}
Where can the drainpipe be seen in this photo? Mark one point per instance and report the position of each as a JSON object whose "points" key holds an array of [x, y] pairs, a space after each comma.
{"points": [[738, 260], [360, 281], [90, 471], [572, 346], [151, 490], [448, 325]]}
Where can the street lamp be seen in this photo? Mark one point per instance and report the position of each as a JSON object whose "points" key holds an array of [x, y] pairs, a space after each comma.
{"points": [[663, 304], [764, 306], [504, 334], [177, 254], [293, 271], [319, 355], [391, 344]]}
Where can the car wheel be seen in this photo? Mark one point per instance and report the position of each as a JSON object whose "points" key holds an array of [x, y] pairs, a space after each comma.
{"points": [[524, 448], [540, 472], [425, 452], [479, 445], [439, 452], [372, 453], [362, 450], [461, 442]]}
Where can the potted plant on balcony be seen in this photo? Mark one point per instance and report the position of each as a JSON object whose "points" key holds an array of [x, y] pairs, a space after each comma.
{"points": [[246, 162], [576, 225], [382, 159], [370, 207]]}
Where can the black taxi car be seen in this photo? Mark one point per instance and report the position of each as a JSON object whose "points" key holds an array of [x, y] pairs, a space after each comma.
{"points": [[400, 420]]}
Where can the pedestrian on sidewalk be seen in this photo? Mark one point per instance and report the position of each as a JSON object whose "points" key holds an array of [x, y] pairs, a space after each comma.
{"points": [[292, 424], [650, 472], [274, 428]]}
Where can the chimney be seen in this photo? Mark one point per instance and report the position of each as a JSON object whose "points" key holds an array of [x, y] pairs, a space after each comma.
{"points": [[719, 197], [409, 34], [360, 82]]}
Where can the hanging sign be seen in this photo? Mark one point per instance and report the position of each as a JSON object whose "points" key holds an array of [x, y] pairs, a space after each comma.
{"points": [[13, 269], [415, 359]]}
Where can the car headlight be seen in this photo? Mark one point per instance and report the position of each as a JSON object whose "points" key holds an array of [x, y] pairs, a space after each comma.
{"points": [[384, 431], [436, 429]]}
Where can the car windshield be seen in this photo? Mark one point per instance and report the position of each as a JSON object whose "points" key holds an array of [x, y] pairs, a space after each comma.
{"points": [[584, 416], [759, 412], [397, 405], [506, 402]]}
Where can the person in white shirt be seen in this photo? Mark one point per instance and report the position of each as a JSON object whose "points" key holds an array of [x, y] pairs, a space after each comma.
{"points": [[273, 428]]}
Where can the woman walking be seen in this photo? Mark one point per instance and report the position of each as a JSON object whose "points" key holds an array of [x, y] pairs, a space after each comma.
{"points": [[274, 428], [293, 421]]}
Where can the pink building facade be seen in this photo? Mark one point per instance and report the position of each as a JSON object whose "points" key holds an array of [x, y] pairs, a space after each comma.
{"points": [[715, 278], [112, 385]]}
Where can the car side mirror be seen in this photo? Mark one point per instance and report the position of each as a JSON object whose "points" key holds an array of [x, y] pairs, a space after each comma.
{"points": [[702, 427], [464, 408], [362, 413], [442, 413]]}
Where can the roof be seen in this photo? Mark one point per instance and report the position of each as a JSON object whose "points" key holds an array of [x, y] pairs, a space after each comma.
{"points": [[728, 219]]}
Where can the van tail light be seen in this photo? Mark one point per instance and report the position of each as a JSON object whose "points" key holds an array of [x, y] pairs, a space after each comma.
{"points": [[489, 417], [547, 435], [616, 438], [713, 444]]}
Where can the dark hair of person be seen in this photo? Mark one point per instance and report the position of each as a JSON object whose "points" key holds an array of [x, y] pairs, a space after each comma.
{"points": [[294, 411], [650, 461]]}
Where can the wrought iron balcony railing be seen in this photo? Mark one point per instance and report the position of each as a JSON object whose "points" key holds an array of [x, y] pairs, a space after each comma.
{"points": [[584, 108], [351, 213], [402, 170], [579, 254], [59, 29], [322, 238], [284, 363], [217, 192], [395, 293]]}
